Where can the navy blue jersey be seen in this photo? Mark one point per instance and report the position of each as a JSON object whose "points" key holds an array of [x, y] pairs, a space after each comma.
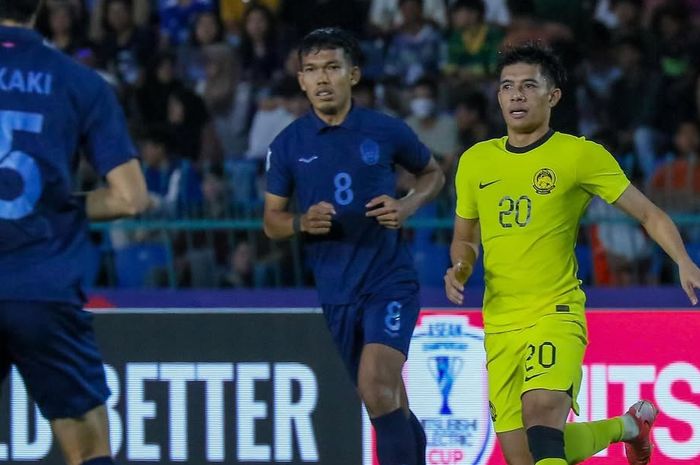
{"points": [[49, 106], [348, 165]]}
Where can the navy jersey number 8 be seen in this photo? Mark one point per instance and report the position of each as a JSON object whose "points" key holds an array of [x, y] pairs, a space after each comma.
{"points": [[343, 188], [19, 162]]}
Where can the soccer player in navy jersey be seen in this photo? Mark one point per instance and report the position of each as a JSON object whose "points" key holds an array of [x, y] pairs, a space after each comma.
{"points": [[339, 159], [49, 105]]}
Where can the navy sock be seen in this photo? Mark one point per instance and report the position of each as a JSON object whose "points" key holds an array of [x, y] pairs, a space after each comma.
{"points": [[396, 444], [421, 440], [100, 461]]}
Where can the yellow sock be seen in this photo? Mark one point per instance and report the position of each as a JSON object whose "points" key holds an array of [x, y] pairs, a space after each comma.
{"points": [[551, 462], [584, 440]]}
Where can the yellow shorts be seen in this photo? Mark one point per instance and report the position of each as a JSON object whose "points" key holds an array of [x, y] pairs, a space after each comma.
{"points": [[548, 355]]}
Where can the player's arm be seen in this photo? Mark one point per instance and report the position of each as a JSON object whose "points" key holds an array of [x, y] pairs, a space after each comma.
{"points": [[464, 251], [280, 224], [124, 195], [392, 213], [661, 228]]}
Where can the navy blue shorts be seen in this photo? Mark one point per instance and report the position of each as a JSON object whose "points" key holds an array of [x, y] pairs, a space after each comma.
{"points": [[387, 318], [53, 347]]}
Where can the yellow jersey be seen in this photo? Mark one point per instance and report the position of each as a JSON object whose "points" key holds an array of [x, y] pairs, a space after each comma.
{"points": [[529, 202]]}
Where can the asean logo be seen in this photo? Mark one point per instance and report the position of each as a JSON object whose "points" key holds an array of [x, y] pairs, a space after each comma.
{"points": [[544, 181]]}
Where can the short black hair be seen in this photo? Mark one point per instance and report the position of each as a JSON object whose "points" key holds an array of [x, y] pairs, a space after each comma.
{"points": [[331, 38], [429, 82], [534, 53], [18, 10]]}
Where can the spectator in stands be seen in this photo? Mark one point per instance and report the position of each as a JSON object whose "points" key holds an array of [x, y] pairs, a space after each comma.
{"points": [[140, 14], [126, 47], [173, 184], [240, 267], [675, 185], [160, 82], [206, 30], [192, 134], [177, 17], [472, 44], [60, 23], [415, 49], [301, 16], [471, 120], [388, 17], [273, 115], [233, 11], [633, 109], [433, 127], [260, 50]]}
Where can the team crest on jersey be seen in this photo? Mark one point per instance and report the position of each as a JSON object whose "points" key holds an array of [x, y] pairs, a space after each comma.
{"points": [[544, 181], [369, 150]]}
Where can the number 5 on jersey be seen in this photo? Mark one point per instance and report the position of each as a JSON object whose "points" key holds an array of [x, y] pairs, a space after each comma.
{"points": [[19, 162]]}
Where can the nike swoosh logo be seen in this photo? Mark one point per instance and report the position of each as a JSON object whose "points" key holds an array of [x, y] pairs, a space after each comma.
{"points": [[528, 378], [308, 160], [487, 184]]}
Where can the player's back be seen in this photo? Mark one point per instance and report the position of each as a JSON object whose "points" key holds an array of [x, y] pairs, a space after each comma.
{"points": [[49, 105]]}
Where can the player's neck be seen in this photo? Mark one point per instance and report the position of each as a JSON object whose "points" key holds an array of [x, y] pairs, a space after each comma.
{"points": [[524, 139], [337, 118]]}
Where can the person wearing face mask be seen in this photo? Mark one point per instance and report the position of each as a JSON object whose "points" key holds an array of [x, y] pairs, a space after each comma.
{"points": [[436, 130]]}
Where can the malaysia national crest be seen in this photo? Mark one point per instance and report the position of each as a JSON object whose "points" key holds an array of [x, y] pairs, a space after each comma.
{"points": [[446, 383], [544, 181], [369, 150]]}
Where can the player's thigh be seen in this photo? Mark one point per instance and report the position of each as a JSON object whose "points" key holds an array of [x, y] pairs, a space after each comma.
{"points": [[553, 359], [504, 356], [53, 346], [389, 317], [345, 325], [83, 438]]}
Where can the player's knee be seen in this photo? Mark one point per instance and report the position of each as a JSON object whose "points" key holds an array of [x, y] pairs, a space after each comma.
{"points": [[545, 443], [545, 408], [380, 395]]}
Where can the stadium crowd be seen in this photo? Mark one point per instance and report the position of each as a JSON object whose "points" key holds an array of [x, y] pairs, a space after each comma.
{"points": [[207, 84]]}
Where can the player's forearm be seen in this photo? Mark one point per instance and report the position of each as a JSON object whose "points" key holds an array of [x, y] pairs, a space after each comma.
{"points": [[464, 251], [279, 225], [665, 233], [105, 204], [428, 185]]}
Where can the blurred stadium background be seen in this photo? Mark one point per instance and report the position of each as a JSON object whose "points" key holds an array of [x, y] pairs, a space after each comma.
{"points": [[200, 300]]}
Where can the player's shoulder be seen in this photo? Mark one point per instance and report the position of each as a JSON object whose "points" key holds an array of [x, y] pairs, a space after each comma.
{"points": [[482, 150], [576, 146], [81, 81]]}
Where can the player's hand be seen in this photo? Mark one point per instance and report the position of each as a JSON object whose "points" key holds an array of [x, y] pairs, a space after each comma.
{"points": [[388, 211], [317, 220], [690, 279], [455, 278]]}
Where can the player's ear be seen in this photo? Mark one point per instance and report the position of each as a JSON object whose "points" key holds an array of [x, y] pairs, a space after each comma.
{"points": [[355, 75], [301, 81], [554, 97]]}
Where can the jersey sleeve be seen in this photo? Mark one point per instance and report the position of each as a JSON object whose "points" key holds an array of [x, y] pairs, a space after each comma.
{"points": [[411, 153], [466, 194], [600, 174], [280, 179], [104, 129]]}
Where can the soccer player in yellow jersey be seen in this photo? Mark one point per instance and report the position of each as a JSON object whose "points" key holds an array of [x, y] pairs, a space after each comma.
{"points": [[522, 197]]}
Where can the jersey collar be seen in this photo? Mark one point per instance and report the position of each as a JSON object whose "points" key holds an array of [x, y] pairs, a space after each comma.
{"points": [[10, 34], [351, 121], [532, 146]]}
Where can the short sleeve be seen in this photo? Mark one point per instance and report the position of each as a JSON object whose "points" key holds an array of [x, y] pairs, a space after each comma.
{"points": [[104, 129], [280, 180], [600, 174], [466, 195], [411, 153]]}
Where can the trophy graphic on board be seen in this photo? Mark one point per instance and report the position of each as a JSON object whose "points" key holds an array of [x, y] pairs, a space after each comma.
{"points": [[445, 370]]}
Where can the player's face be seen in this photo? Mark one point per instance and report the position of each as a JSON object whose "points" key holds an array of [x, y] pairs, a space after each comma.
{"points": [[526, 97], [327, 77]]}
